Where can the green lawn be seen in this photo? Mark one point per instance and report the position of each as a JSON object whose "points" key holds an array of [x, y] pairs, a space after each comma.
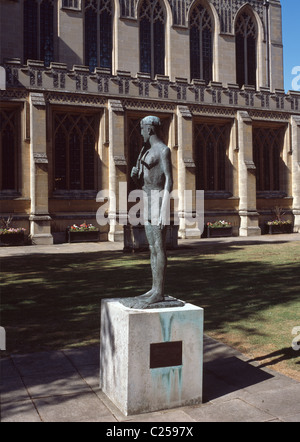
{"points": [[250, 294]]}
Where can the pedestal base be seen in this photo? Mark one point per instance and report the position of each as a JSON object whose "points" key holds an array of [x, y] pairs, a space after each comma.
{"points": [[40, 230], [151, 359]]}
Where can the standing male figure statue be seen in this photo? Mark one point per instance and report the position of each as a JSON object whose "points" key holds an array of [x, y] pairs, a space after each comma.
{"points": [[154, 172]]}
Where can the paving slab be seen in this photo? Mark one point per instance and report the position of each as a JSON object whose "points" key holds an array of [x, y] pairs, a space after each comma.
{"points": [[81, 407], [46, 363], [83, 356], [55, 384], [12, 389], [234, 410], [91, 375], [282, 402], [20, 411]]}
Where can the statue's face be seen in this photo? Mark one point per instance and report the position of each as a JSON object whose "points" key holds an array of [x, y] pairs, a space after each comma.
{"points": [[145, 132]]}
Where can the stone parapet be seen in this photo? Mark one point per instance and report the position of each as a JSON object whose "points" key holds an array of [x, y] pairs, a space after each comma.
{"points": [[101, 83]]}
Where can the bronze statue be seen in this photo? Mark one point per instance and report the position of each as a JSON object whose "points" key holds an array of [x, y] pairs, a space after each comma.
{"points": [[154, 172]]}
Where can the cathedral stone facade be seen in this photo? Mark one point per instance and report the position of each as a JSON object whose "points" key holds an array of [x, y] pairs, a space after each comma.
{"points": [[77, 76]]}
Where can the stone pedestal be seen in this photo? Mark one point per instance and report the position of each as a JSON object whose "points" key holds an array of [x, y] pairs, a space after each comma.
{"points": [[151, 359]]}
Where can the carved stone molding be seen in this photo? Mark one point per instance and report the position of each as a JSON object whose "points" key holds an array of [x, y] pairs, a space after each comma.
{"points": [[184, 111], [40, 158], [37, 99], [189, 163], [120, 160], [131, 104], [75, 99], [116, 106]]}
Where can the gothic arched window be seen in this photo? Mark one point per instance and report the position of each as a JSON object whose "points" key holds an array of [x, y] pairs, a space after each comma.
{"points": [[152, 37], [267, 147], [201, 51], [246, 36], [75, 138], [98, 33], [211, 146], [39, 30], [8, 149]]}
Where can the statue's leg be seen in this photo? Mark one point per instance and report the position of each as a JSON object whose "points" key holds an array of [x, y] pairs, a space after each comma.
{"points": [[160, 264], [153, 260], [156, 238]]}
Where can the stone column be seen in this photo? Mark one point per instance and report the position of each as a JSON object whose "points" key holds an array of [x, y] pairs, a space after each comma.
{"points": [[117, 168], [247, 177], [296, 171], [186, 171], [40, 221]]}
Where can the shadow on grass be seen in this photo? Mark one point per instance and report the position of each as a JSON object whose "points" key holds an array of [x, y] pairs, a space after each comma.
{"points": [[52, 301], [273, 358]]}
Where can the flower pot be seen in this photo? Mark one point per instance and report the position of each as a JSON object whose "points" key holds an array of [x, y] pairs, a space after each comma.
{"points": [[219, 232], [12, 239], [83, 236], [276, 229]]}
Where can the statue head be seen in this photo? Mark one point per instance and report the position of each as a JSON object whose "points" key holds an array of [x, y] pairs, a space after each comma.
{"points": [[149, 126]]}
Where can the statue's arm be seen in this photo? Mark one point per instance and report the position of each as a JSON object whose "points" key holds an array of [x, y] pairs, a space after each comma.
{"points": [[167, 170]]}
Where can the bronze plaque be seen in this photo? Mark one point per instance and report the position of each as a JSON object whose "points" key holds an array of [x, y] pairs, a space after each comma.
{"points": [[166, 354]]}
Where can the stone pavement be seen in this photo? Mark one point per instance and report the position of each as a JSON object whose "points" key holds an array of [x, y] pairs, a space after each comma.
{"points": [[63, 386]]}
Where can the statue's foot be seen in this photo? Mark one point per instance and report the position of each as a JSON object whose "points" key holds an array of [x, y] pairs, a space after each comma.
{"points": [[146, 295], [143, 301], [133, 301]]}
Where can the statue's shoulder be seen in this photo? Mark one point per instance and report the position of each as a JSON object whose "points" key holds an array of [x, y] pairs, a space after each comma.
{"points": [[165, 150]]}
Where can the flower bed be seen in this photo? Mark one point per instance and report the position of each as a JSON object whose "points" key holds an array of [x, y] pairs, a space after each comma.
{"points": [[218, 229], [12, 237], [279, 227], [83, 233], [279, 224]]}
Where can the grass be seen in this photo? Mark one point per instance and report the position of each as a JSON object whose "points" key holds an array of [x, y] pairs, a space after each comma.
{"points": [[250, 295]]}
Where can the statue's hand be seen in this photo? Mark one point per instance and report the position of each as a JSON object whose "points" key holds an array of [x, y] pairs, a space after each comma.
{"points": [[161, 222], [134, 172]]}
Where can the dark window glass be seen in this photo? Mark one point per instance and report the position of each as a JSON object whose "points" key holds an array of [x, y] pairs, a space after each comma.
{"points": [[30, 30], [211, 146], [152, 38], [46, 31], [267, 148], [105, 39], [89, 159], [145, 45], [159, 47], [60, 160], [195, 53], [75, 142], [98, 33], [201, 52], [240, 61], [246, 37], [74, 150], [39, 30], [8, 149], [91, 38], [8, 160]]}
